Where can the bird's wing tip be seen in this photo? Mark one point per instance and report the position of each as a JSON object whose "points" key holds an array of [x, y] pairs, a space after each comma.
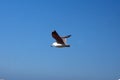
{"points": [[54, 31]]}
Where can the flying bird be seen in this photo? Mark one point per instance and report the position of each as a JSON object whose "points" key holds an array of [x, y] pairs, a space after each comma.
{"points": [[60, 41]]}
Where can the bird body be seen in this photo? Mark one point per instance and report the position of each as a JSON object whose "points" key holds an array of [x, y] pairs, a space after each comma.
{"points": [[57, 45]]}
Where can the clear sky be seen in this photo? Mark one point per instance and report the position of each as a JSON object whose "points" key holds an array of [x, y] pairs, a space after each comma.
{"points": [[25, 39]]}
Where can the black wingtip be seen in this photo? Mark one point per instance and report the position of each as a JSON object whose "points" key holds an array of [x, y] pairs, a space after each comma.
{"points": [[67, 36], [54, 31]]}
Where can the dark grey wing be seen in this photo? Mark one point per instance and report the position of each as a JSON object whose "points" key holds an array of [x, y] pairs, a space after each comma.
{"points": [[57, 37]]}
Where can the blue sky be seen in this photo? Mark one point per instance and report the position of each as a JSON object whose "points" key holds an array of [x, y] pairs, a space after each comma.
{"points": [[25, 39]]}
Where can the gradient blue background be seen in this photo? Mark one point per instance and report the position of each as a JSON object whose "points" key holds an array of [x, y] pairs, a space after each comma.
{"points": [[25, 39]]}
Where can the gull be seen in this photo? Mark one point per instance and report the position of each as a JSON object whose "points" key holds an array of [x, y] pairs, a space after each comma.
{"points": [[60, 41]]}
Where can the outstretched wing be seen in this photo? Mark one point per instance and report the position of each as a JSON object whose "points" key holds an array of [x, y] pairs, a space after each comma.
{"points": [[57, 37]]}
